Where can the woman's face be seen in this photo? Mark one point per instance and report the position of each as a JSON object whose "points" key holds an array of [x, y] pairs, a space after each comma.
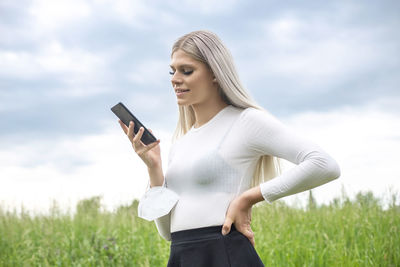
{"points": [[192, 80]]}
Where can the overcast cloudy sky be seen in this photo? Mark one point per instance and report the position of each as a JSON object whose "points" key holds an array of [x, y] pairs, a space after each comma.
{"points": [[328, 69]]}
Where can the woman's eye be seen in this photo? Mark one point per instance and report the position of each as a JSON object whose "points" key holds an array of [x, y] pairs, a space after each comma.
{"points": [[188, 72]]}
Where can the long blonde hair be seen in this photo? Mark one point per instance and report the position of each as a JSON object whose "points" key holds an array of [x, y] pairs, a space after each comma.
{"points": [[206, 47]]}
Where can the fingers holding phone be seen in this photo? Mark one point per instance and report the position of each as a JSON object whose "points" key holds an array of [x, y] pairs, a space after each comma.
{"points": [[123, 126], [138, 145], [146, 152], [126, 116], [143, 141]]}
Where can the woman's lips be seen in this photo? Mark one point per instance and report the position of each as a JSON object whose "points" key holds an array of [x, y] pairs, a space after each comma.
{"points": [[180, 92]]}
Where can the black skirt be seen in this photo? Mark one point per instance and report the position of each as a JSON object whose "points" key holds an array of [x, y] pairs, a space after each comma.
{"points": [[207, 247]]}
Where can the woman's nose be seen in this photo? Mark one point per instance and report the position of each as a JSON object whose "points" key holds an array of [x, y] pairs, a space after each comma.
{"points": [[175, 79]]}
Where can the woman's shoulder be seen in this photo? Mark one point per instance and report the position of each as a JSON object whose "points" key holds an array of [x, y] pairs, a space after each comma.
{"points": [[252, 114]]}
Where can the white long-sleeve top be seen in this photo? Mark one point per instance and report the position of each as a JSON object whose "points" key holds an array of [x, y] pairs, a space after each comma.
{"points": [[212, 164]]}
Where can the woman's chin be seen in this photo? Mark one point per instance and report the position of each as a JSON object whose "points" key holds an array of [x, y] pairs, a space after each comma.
{"points": [[181, 102]]}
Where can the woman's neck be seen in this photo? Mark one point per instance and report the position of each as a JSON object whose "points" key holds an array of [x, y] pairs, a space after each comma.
{"points": [[205, 112]]}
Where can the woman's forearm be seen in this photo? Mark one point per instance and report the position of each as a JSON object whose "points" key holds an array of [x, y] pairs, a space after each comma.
{"points": [[156, 176], [252, 196]]}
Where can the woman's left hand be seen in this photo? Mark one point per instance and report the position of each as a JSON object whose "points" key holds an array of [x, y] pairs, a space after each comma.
{"points": [[239, 213]]}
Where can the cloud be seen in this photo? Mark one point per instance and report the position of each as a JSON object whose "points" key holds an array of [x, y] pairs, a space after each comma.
{"points": [[319, 59], [51, 15], [329, 55], [150, 72], [207, 7], [51, 59]]}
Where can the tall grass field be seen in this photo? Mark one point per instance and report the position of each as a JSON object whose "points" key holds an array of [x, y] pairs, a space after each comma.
{"points": [[357, 232]]}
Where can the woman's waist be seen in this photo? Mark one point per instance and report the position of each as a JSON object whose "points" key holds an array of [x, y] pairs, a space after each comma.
{"points": [[198, 211]]}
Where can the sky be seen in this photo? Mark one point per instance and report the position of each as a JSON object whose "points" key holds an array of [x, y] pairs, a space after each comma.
{"points": [[330, 70]]}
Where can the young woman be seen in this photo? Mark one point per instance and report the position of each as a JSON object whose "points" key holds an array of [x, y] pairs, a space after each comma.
{"points": [[223, 161]]}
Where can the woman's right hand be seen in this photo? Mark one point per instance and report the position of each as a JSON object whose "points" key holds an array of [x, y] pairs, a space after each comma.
{"points": [[150, 154]]}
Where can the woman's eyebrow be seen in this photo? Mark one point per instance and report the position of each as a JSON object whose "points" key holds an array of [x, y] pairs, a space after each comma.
{"points": [[183, 66]]}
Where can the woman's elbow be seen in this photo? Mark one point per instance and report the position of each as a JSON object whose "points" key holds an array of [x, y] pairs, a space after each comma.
{"points": [[331, 168], [328, 168], [334, 170]]}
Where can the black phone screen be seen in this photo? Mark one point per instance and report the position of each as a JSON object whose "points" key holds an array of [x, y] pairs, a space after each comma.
{"points": [[126, 116]]}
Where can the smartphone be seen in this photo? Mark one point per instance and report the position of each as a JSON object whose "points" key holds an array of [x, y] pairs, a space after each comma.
{"points": [[126, 116]]}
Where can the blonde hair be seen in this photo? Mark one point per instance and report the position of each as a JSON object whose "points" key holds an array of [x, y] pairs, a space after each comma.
{"points": [[206, 47]]}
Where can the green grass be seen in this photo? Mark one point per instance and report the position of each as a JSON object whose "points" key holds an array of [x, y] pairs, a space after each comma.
{"points": [[345, 233]]}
